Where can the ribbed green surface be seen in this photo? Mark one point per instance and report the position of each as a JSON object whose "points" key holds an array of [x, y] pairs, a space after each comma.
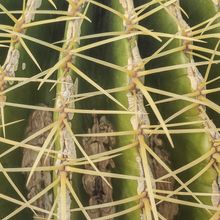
{"points": [[109, 78], [188, 147], [207, 10], [26, 94]]}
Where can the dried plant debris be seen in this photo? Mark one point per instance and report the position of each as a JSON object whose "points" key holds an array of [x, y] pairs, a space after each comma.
{"points": [[97, 189], [11, 63], [166, 209], [39, 180], [216, 190]]}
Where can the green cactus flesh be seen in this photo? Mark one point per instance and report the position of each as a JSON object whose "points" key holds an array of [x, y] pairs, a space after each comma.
{"points": [[109, 109]]}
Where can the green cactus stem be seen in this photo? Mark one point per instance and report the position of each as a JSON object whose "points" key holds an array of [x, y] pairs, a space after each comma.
{"points": [[109, 109]]}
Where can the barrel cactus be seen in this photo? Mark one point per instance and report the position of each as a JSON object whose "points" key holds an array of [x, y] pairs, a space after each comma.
{"points": [[109, 109]]}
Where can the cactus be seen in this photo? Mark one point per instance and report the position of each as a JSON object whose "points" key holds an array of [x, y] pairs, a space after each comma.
{"points": [[109, 109]]}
